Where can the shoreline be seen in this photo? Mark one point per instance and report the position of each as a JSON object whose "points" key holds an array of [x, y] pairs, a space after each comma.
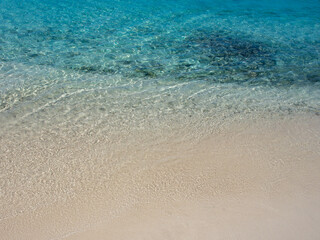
{"points": [[250, 178]]}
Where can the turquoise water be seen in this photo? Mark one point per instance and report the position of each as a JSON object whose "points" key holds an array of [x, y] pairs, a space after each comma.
{"points": [[103, 64]]}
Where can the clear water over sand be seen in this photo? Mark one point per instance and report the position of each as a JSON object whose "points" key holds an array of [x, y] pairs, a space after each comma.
{"points": [[121, 116]]}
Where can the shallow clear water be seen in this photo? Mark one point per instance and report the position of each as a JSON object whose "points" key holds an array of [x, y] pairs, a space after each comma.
{"points": [[108, 105], [109, 63]]}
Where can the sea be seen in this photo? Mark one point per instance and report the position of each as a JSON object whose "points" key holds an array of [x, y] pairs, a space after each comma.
{"points": [[96, 64], [129, 74]]}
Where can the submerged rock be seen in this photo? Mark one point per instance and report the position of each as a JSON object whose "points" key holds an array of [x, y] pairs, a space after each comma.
{"points": [[228, 57]]}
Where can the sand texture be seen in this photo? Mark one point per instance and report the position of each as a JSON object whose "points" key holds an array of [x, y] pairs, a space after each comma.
{"points": [[252, 180]]}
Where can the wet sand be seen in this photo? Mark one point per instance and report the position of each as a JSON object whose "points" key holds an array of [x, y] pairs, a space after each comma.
{"points": [[251, 180]]}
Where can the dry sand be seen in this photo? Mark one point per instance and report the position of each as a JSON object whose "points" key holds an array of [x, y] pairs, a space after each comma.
{"points": [[254, 180]]}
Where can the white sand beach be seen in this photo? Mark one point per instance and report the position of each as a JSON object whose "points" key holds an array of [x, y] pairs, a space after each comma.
{"points": [[251, 180]]}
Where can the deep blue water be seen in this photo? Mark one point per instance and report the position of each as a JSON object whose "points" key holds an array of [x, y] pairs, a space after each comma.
{"points": [[51, 50]]}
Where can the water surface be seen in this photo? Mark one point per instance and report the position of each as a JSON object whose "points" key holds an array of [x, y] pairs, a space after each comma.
{"points": [[72, 63]]}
